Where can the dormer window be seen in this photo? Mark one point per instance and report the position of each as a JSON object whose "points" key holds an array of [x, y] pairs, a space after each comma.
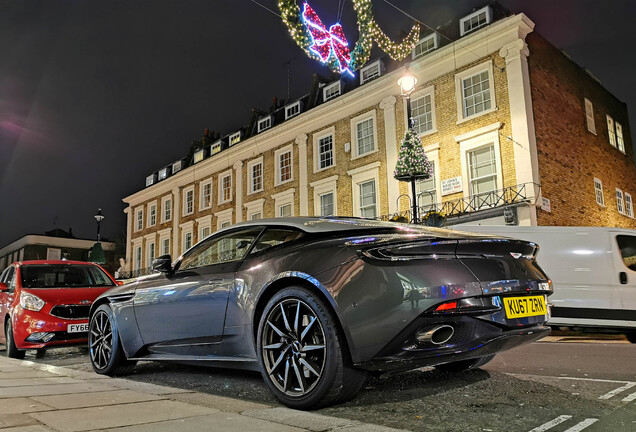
{"points": [[331, 91], [426, 45], [215, 147], [151, 179], [370, 72], [264, 123], [235, 138], [164, 173], [198, 156], [176, 167], [475, 20], [292, 110]]}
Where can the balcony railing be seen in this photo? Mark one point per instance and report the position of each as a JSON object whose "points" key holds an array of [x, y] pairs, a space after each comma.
{"points": [[135, 273]]}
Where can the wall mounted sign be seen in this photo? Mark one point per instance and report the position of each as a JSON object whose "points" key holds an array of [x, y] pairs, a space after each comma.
{"points": [[451, 186]]}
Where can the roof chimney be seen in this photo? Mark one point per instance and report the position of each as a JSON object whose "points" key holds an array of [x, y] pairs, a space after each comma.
{"points": [[206, 132]]}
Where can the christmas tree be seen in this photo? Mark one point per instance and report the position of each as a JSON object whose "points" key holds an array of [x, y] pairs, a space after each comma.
{"points": [[412, 162], [96, 254]]}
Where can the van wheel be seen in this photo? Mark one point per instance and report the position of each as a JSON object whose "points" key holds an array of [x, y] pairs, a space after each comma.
{"points": [[631, 337]]}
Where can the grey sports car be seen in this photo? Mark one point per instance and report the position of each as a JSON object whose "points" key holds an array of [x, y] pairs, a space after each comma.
{"points": [[317, 303]]}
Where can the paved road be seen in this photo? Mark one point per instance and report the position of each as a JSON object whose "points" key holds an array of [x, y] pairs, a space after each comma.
{"points": [[562, 384]]}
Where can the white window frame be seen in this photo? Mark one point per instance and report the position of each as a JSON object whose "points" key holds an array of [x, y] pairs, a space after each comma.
{"points": [[362, 175], [620, 140], [234, 138], [589, 116], [165, 234], [222, 176], [598, 192], [151, 179], [139, 217], [184, 237], [459, 90], [488, 12], [620, 201], [328, 88], [254, 207], [162, 174], [292, 107], [316, 145], [629, 205], [138, 255], [434, 36], [322, 187], [215, 147], [264, 124], [202, 224], [202, 186], [487, 135], [250, 175], [611, 131], [184, 209], [177, 166], [162, 243], [378, 64], [282, 199], [163, 209], [152, 205], [150, 245], [199, 155], [224, 217], [371, 115], [432, 152], [277, 155], [428, 91]]}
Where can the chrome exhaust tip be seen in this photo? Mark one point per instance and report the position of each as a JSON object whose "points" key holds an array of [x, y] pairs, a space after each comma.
{"points": [[437, 335]]}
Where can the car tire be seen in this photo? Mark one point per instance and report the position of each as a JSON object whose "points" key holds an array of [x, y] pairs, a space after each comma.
{"points": [[464, 365], [104, 346], [302, 351], [12, 349]]}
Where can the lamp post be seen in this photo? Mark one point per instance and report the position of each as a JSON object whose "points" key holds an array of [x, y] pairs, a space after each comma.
{"points": [[407, 84], [99, 218]]}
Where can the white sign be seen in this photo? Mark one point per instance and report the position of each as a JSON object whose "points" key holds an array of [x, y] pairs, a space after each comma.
{"points": [[545, 205], [451, 186]]}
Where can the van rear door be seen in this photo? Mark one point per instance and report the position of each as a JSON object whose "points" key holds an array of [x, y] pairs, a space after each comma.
{"points": [[624, 277]]}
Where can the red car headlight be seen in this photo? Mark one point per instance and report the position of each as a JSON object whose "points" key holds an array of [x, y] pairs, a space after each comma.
{"points": [[31, 302]]}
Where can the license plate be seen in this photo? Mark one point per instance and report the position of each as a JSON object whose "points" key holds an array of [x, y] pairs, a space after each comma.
{"points": [[77, 328], [519, 307]]}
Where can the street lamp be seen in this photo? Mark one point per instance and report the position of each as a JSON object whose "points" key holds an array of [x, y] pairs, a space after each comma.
{"points": [[407, 84], [99, 218]]}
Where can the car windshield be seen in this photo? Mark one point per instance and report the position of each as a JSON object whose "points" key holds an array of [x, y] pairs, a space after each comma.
{"points": [[63, 276]]}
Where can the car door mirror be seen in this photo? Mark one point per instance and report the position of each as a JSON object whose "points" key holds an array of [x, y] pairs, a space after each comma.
{"points": [[4, 286], [163, 264]]}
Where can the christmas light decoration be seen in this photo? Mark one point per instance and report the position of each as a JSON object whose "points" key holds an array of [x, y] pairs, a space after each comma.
{"points": [[309, 34]]}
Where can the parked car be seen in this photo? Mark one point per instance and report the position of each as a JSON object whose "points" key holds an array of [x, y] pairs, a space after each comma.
{"points": [[46, 303], [593, 270], [316, 303]]}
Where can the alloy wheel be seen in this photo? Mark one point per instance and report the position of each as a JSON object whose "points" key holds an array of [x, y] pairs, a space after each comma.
{"points": [[101, 340], [293, 347]]}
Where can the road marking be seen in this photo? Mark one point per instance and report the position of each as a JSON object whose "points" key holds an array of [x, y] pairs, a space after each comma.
{"points": [[552, 423], [585, 423], [626, 385], [618, 390], [630, 398]]}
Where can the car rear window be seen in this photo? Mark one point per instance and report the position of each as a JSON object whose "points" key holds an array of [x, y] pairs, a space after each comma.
{"points": [[63, 276]]}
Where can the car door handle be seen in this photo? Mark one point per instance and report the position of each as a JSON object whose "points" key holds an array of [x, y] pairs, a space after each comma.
{"points": [[215, 281]]}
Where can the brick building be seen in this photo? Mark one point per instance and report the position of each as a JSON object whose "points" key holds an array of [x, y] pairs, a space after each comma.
{"points": [[517, 133]]}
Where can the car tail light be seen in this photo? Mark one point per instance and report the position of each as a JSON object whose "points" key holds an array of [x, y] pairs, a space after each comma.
{"points": [[446, 306], [31, 302], [469, 305]]}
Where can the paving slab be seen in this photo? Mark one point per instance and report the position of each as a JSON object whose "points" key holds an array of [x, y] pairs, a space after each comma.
{"points": [[116, 416], [219, 402], [34, 428], [21, 405], [145, 387], [26, 373], [37, 381], [53, 389], [14, 420], [366, 427], [224, 422], [85, 400], [301, 419]]}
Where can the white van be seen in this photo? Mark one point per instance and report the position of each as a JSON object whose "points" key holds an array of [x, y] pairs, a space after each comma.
{"points": [[593, 271]]}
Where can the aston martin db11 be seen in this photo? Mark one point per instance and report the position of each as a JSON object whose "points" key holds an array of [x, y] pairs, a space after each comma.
{"points": [[317, 303]]}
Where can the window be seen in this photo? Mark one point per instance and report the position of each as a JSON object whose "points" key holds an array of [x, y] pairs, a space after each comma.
{"points": [[218, 249], [475, 20], [326, 204], [51, 254], [620, 143], [152, 214], [151, 179], [255, 170], [422, 113], [611, 131], [199, 155], [235, 138], [370, 72], [368, 208], [284, 165], [275, 237], [292, 110], [137, 258], [206, 195], [176, 167], [627, 246], [598, 191], [151, 254], [188, 201], [255, 216], [215, 147], [225, 187], [365, 137], [426, 45], [163, 173], [325, 152], [167, 209], [205, 232], [285, 210], [426, 192], [482, 172], [165, 246], [264, 123], [139, 219], [187, 241], [629, 208], [284, 203], [476, 94], [254, 209], [589, 116], [331, 91], [620, 205]]}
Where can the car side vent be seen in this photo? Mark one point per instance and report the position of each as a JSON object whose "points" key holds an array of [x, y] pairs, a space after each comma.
{"points": [[118, 298]]}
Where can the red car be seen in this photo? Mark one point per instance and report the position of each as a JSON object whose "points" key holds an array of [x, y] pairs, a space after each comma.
{"points": [[46, 303]]}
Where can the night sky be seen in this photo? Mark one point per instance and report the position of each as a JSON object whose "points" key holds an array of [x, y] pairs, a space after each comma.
{"points": [[96, 95]]}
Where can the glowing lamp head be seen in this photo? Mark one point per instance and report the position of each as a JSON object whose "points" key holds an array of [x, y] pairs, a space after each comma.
{"points": [[407, 84]]}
